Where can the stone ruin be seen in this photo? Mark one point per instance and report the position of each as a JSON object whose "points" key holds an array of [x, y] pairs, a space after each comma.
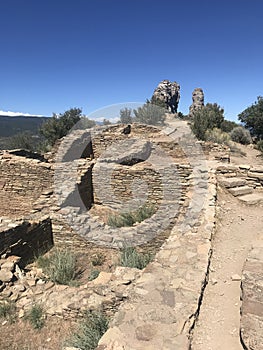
{"points": [[39, 209], [198, 101], [169, 93]]}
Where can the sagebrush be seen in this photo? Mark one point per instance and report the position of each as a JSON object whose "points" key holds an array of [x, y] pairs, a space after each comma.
{"points": [[241, 135], [35, 316], [59, 266], [90, 330], [130, 257]]}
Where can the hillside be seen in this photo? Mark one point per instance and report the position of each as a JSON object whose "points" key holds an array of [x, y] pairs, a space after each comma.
{"points": [[10, 126]]}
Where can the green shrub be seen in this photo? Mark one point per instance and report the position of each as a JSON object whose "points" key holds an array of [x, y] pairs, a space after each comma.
{"points": [[150, 113], [129, 218], [131, 258], [252, 118], [8, 310], [241, 135], [90, 330], [208, 117], [24, 140], [60, 266], [126, 116], [93, 275], [217, 136], [36, 316], [228, 125]]}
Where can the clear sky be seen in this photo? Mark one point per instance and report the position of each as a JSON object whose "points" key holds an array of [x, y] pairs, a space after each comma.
{"points": [[58, 54]]}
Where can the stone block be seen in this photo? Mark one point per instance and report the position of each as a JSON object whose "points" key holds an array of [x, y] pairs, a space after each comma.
{"points": [[256, 175], [232, 182], [239, 191], [252, 199]]}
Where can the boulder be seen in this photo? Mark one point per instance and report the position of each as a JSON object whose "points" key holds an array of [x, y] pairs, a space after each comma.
{"points": [[198, 101], [169, 93]]}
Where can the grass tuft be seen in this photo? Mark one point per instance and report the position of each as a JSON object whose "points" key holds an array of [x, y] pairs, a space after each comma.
{"points": [[93, 275], [98, 259], [131, 258], [8, 310], [90, 330], [130, 218], [36, 316], [60, 266]]}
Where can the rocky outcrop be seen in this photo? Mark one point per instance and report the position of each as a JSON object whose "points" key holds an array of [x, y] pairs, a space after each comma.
{"points": [[198, 101], [169, 93]]}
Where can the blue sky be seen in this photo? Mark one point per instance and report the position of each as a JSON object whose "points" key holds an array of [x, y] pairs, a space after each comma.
{"points": [[79, 53]]}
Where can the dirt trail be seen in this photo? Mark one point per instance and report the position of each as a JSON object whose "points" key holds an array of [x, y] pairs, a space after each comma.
{"points": [[238, 226], [219, 320]]}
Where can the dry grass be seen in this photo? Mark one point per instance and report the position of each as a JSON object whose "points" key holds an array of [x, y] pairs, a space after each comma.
{"points": [[22, 336]]}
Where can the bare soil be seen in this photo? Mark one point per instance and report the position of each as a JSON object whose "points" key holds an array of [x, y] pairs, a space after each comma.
{"points": [[22, 336]]}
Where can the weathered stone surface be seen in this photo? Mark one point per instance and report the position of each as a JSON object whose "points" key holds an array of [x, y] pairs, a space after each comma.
{"points": [[6, 276], [252, 301], [232, 182], [169, 93], [257, 175], [257, 169], [252, 199], [239, 191], [226, 169], [127, 152], [198, 101], [244, 166]]}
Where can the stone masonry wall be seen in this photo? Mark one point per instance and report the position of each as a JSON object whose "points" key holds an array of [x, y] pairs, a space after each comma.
{"points": [[24, 176], [25, 239]]}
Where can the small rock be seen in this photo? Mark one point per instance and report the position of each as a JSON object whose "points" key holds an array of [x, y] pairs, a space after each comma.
{"points": [[235, 277], [49, 285], [20, 287], [145, 332], [31, 282], [21, 313], [6, 276], [8, 265], [213, 281], [14, 297], [40, 282]]}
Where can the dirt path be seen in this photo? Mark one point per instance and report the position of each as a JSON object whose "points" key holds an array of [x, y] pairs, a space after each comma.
{"points": [[219, 320]]}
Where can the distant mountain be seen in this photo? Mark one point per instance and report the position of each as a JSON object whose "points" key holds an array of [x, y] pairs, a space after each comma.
{"points": [[10, 126]]}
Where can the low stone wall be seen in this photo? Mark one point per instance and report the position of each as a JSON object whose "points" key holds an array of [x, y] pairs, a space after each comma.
{"points": [[26, 239], [138, 182], [252, 174], [24, 176]]}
